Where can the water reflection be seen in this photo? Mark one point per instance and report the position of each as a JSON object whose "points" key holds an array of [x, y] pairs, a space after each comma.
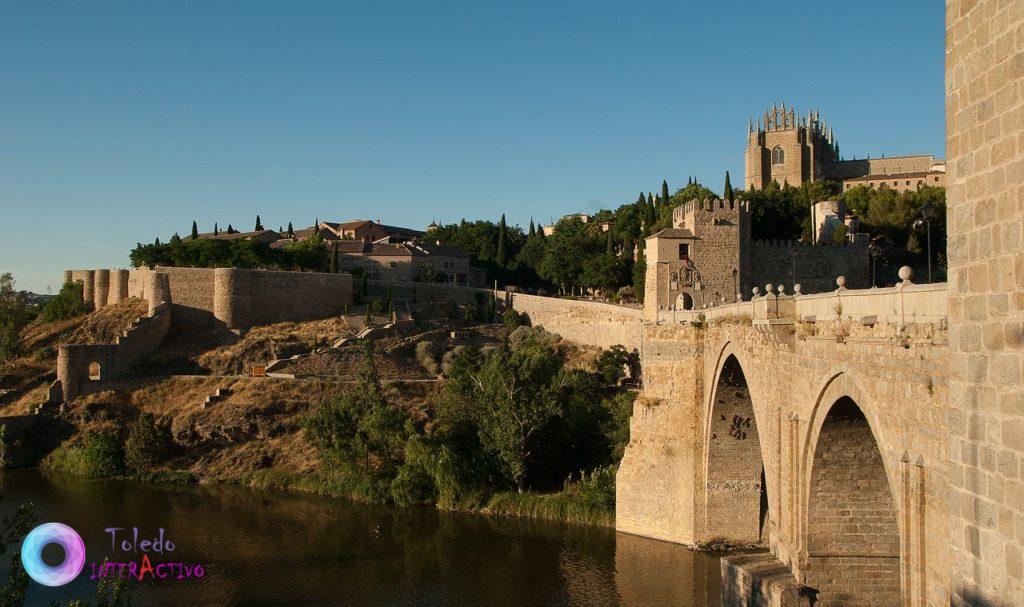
{"points": [[263, 548]]}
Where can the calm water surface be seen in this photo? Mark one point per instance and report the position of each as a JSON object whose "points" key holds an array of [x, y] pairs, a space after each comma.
{"points": [[259, 547]]}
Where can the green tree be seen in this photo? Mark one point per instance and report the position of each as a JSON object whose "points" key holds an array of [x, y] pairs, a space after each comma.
{"points": [[664, 190], [501, 254], [334, 259], [216, 230], [640, 276], [148, 444], [259, 224], [728, 188], [361, 433], [14, 315], [291, 232], [68, 303], [514, 393], [195, 231], [565, 252]]}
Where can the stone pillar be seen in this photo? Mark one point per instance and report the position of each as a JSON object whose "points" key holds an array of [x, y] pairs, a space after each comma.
{"points": [[232, 292], [101, 289], [88, 287], [118, 286], [157, 290], [67, 277]]}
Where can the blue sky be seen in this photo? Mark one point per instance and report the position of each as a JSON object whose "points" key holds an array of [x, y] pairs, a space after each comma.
{"points": [[121, 122]]}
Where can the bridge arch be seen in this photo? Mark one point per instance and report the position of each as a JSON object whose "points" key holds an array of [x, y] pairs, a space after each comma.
{"points": [[734, 478], [851, 533]]}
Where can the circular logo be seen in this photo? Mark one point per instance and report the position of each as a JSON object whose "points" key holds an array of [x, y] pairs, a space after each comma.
{"points": [[32, 554]]}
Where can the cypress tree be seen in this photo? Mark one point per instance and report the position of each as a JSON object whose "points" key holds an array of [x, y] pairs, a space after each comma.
{"points": [[369, 317], [608, 245], [389, 297], [259, 226], [231, 230], [195, 231], [334, 259], [291, 232], [216, 230], [414, 293], [664, 190], [157, 241], [728, 188], [533, 230], [500, 255], [366, 286], [175, 239]]}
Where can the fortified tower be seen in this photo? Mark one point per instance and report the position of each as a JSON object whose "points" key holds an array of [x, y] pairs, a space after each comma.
{"points": [[702, 260], [788, 148]]}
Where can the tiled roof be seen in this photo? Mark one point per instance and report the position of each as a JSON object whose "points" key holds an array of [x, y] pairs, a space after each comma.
{"points": [[673, 233]]}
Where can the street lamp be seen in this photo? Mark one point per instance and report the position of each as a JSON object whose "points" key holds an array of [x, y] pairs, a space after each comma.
{"points": [[928, 213], [873, 249], [793, 255]]}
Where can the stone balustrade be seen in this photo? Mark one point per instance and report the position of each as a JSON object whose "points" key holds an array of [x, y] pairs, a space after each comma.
{"points": [[899, 305]]}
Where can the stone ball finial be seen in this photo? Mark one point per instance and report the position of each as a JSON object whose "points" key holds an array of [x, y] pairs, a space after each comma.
{"points": [[757, 291], [796, 289], [841, 281], [768, 288], [906, 273], [782, 289]]}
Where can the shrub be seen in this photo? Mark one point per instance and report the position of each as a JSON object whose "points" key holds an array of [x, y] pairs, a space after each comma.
{"points": [[448, 360], [147, 445], [513, 319], [426, 354], [66, 304], [99, 454]]}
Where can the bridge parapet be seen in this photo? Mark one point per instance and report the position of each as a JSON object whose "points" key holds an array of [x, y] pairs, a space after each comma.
{"points": [[901, 304]]}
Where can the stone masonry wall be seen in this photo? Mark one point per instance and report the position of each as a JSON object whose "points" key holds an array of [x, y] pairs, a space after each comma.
{"points": [[852, 529], [137, 342], [586, 322], [985, 198], [817, 266], [734, 462]]}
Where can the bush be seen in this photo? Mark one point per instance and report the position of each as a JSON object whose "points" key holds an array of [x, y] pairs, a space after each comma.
{"points": [[426, 354], [66, 304], [147, 445], [99, 454], [448, 360], [513, 319]]}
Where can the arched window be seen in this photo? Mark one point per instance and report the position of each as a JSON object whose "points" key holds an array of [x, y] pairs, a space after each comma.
{"points": [[778, 155], [94, 371]]}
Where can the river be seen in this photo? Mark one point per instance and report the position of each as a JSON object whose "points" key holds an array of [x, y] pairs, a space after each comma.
{"points": [[262, 547]]}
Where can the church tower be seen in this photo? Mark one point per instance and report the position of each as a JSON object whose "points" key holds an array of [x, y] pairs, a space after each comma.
{"points": [[786, 147]]}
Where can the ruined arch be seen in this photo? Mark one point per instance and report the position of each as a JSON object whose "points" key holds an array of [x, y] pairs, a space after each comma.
{"points": [[851, 532], [684, 301], [735, 489]]}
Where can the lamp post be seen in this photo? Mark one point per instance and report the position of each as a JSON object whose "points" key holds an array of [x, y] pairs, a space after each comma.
{"points": [[928, 213], [873, 254], [735, 290], [793, 255]]}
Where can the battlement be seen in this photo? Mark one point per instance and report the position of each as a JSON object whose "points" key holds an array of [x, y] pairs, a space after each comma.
{"points": [[708, 208], [779, 118], [794, 244]]}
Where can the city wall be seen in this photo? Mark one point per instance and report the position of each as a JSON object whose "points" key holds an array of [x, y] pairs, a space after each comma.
{"points": [[817, 266], [586, 322], [204, 298]]}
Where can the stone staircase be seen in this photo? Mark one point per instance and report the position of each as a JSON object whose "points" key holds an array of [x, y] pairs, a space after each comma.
{"points": [[214, 398]]}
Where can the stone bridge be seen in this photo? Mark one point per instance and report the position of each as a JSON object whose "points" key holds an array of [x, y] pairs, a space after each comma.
{"points": [[814, 426]]}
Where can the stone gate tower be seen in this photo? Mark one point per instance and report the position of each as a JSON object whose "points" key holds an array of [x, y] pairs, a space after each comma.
{"points": [[788, 148]]}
